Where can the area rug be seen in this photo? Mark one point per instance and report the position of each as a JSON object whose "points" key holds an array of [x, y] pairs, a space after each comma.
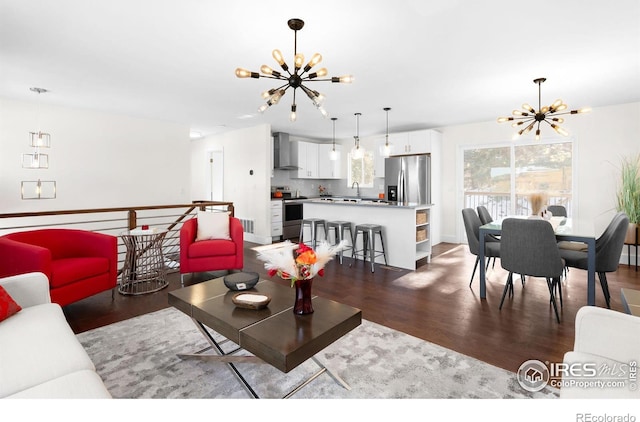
{"points": [[137, 358]]}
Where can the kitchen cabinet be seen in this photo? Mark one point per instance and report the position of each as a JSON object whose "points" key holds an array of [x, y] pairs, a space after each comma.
{"points": [[313, 160], [306, 156], [276, 219], [416, 142], [327, 168]]}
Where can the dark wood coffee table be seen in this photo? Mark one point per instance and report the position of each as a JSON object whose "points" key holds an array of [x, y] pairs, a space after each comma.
{"points": [[274, 335]]}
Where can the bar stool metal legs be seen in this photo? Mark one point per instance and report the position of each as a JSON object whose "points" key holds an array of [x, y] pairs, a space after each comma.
{"points": [[338, 228], [313, 224], [368, 232]]}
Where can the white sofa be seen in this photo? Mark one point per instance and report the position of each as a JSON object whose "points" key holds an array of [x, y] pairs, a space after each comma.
{"points": [[606, 340], [40, 356]]}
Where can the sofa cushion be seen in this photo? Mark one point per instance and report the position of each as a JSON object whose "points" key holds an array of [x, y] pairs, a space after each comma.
{"points": [[8, 306], [69, 270], [84, 384], [212, 225], [207, 248], [38, 346]]}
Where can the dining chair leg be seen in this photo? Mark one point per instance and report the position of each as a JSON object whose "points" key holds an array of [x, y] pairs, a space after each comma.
{"points": [[605, 288], [506, 288], [474, 270], [552, 285]]}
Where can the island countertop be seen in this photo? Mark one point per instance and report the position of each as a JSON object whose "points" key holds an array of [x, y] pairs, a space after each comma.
{"points": [[365, 202]]}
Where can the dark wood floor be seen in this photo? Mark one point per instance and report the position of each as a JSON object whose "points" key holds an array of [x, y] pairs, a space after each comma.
{"points": [[433, 303]]}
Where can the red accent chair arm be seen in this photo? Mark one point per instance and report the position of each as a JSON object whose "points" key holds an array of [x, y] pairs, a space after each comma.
{"points": [[187, 237], [20, 258], [237, 236]]}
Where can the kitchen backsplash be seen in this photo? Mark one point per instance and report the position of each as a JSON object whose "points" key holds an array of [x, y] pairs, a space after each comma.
{"points": [[335, 187]]}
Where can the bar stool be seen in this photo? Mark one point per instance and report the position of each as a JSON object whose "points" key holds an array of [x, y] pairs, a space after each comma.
{"points": [[338, 228], [368, 232], [314, 224]]}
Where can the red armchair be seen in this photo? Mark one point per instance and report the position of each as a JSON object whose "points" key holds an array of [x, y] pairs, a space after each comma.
{"points": [[78, 263], [211, 254]]}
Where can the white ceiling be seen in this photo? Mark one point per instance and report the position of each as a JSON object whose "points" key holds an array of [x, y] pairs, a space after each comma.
{"points": [[435, 63]]}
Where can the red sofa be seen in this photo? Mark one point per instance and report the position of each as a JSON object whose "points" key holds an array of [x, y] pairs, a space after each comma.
{"points": [[213, 254], [78, 263]]}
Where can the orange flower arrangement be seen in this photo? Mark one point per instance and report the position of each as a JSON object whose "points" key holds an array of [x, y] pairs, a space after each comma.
{"points": [[298, 262]]}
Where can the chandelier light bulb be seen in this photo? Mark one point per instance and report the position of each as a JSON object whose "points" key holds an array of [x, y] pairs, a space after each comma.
{"points": [[278, 57], [244, 73], [346, 79], [320, 73], [298, 60], [268, 71], [315, 59]]}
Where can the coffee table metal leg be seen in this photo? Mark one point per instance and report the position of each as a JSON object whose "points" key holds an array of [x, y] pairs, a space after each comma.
{"points": [[322, 370], [222, 356], [332, 374], [228, 359]]}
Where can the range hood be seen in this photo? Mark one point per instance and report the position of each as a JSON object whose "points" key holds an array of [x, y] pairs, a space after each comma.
{"points": [[282, 158]]}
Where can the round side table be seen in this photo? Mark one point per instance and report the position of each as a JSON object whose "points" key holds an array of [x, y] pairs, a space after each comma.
{"points": [[143, 270]]}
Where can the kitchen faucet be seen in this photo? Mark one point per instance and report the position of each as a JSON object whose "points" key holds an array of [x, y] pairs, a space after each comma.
{"points": [[358, 186]]}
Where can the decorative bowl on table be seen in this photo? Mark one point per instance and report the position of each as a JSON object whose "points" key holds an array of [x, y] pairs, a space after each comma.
{"points": [[251, 300], [241, 281]]}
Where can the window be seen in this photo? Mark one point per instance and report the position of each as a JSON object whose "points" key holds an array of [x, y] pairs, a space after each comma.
{"points": [[361, 170], [501, 178]]}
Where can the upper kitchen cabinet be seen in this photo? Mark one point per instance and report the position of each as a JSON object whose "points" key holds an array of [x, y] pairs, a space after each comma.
{"points": [[306, 154], [327, 168], [313, 160], [417, 142]]}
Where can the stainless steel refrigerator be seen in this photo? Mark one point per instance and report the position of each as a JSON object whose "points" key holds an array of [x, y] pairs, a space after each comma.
{"points": [[408, 179]]}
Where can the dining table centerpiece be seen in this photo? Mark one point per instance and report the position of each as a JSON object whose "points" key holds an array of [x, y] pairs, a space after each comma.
{"points": [[299, 264]]}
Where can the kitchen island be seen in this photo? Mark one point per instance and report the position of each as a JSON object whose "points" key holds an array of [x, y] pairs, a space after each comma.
{"points": [[406, 227]]}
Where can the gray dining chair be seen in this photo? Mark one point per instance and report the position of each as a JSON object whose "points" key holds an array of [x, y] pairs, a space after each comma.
{"points": [[485, 218], [483, 213], [528, 247], [608, 250], [472, 225], [557, 210]]}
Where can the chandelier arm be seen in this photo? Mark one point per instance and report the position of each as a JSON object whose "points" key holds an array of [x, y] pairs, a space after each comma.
{"points": [[282, 78], [317, 80], [285, 86]]}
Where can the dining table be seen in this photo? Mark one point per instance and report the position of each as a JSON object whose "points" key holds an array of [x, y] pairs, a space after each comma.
{"points": [[566, 229]]}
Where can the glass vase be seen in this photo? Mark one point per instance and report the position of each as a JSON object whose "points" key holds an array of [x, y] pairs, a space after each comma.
{"points": [[303, 305]]}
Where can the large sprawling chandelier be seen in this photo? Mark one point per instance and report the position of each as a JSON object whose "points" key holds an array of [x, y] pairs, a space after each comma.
{"points": [[532, 118], [295, 80]]}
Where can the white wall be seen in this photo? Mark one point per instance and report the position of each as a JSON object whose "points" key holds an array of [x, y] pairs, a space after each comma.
{"points": [[97, 159], [601, 138], [245, 150]]}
